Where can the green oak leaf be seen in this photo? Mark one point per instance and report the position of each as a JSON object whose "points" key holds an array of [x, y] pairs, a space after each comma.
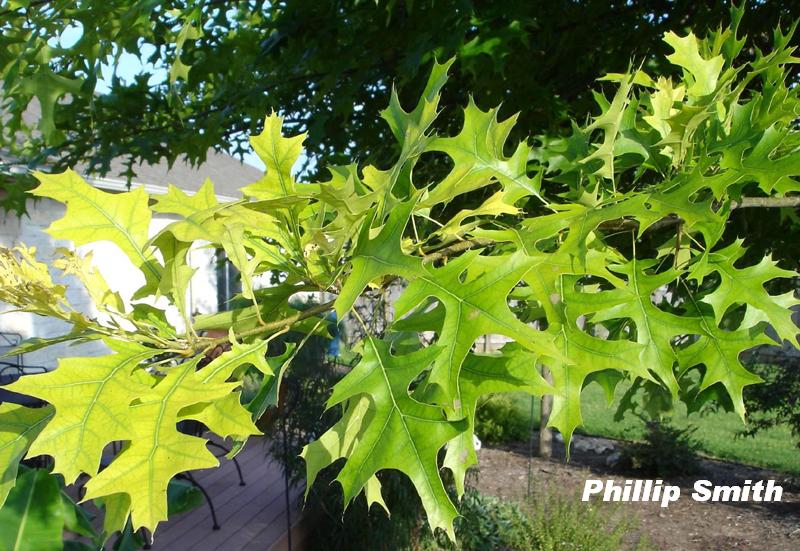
{"points": [[655, 328], [696, 215], [390, 430], [49, 88], [268, 394], [474, 306], [609, 122], [411, 128], [271, 305], [478, 157], [378, 256], [704, 72], [481, 375], [719, 350], [337, 443], [240, 355], [19, 426], [746, 286], [766, 162], [116, 509], [177, 273], [573, 225], [33, 518], [585, 355]]}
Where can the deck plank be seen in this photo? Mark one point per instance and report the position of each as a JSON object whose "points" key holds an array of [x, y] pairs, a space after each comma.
{"points": [[224, 488], [268, 522], [251, 515]]}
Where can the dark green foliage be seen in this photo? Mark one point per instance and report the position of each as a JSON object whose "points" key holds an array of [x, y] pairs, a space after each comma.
{"points": [[499, 421], [666, 451], [358, 528]]}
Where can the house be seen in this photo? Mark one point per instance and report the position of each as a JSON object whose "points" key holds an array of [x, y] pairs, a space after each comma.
{"points": [[211, 286]]}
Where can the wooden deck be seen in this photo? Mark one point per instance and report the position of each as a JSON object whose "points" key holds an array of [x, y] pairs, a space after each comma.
{"points": [[251, 517]]}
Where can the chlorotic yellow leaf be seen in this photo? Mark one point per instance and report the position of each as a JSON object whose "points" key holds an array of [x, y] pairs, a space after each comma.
{"points": [[225, 417], [94, 215], [84, 269], [92, 398], [157, 451]]}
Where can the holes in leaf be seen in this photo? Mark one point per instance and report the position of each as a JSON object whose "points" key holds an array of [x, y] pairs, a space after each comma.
{"points": [[526, 306], [432, 166], [551, 244], [614, 329], [682, 341]]}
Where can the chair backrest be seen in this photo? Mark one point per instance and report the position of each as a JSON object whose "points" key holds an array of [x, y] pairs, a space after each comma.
{"points": [[8, 342]]}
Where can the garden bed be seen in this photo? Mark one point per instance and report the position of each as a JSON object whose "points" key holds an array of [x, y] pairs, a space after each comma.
{"points": [[686, 525]]}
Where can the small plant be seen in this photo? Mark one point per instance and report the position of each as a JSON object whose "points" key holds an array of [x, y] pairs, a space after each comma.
{"points": [[549, 523], [665, 451], [558, 525]]}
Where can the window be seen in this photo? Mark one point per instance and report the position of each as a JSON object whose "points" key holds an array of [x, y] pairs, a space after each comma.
{"points": [[229, 283]]}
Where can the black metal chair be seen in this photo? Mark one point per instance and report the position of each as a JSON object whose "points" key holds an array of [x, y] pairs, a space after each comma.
{"points": [[196, 428], [12, 367]]}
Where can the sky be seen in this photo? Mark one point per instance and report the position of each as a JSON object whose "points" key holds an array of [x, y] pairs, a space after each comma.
{"points": [[127, 68]]}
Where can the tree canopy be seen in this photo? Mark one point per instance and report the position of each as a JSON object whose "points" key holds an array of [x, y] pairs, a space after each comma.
{"points": [[211, 69]]}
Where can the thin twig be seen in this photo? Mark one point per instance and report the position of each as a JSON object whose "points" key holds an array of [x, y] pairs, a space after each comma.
{"points": [[456, 248]]}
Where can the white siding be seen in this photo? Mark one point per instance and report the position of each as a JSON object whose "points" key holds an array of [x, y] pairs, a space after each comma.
{"points": [[118, 271]]}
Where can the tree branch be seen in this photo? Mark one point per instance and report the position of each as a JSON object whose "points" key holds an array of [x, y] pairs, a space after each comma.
{"points": [[270, 327], [766, 202], [462, 246], [669, 221]]}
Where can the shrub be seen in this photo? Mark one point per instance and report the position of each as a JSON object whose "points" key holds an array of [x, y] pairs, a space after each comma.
{"points": [[486, 523], [550, 523], [362, 528], [665, 451], [777, 401], [499, 420]]}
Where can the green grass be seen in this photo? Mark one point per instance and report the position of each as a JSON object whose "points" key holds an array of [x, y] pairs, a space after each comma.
{"points": [[717, 433]]}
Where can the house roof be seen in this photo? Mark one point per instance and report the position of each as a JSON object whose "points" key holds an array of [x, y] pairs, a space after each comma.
{"points": [[227, 173]]}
